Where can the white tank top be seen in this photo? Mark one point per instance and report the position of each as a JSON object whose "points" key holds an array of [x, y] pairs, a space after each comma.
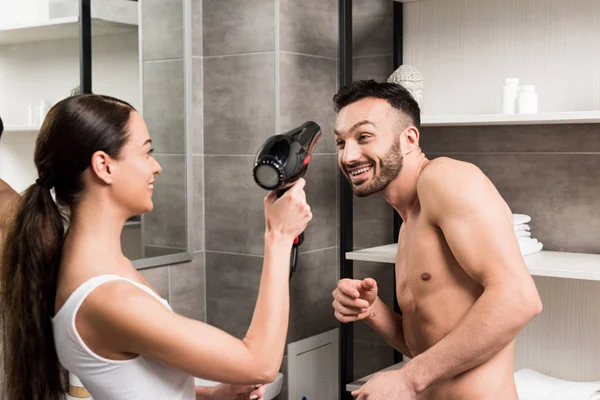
{"points": [[137, 379]]}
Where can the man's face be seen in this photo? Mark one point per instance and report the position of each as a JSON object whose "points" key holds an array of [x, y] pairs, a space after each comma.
{"points": [[368, 141]]}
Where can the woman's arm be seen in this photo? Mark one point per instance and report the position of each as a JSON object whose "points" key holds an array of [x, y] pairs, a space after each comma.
{"points": [[133, 322]]}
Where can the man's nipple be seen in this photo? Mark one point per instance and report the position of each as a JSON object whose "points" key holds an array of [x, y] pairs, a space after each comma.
{"points": [[425, 276]]}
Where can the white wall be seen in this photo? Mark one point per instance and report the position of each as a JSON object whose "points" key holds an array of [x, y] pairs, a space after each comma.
{"points": [[32, 72], [465, 49]]}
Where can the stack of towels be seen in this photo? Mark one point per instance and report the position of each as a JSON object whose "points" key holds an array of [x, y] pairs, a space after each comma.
{"points": [[532, 385], [527, 244]]}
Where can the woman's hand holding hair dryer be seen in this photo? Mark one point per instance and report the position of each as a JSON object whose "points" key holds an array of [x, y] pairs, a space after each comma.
{"points": [[287, 216]]}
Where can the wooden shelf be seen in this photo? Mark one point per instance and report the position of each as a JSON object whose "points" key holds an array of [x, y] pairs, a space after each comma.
{"points": [[580, 117], [545, 263], [58, 28]]}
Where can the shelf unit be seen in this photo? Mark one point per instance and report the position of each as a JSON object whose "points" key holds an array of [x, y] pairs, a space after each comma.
{"points": [[21, 128], [576, 117], [58, 28], [545, 263]]}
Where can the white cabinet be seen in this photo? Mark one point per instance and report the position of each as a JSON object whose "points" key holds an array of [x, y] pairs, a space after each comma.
{"points": [[313, 367]]}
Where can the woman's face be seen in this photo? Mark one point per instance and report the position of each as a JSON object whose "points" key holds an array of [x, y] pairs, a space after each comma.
{"points": [[134, 184]]}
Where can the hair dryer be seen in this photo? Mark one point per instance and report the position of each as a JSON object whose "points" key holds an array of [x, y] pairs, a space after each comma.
{"points": [[282, 160]]}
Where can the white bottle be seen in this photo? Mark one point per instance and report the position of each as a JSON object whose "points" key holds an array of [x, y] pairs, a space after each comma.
{"points": [[528, 100], [43, 110], [510, 92], [32, 115]]}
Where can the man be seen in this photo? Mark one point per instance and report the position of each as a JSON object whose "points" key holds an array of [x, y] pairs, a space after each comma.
{"points": [[7, 199], [462, 285]]}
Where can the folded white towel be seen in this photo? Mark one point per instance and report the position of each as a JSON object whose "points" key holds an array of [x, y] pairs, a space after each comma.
{"points": [[532, 385], [531, 248], [522, 227], [522, 233], [521, 219], [526, 241]]}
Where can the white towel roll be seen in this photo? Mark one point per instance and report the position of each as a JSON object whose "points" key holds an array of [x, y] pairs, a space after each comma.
{"points": [[522, 233], [522, 227], [530, 249], [532, 385], [526, 241], [521, 219]]}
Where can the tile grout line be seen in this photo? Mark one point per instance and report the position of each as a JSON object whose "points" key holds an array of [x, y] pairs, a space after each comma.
{"points": [[252, 155], [262, 255]]}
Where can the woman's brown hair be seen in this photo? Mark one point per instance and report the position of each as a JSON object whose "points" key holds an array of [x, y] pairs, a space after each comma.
{"points": [[73, 131]]}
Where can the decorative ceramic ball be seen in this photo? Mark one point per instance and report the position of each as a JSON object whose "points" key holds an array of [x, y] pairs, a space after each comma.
{"points": [[411, 79]]}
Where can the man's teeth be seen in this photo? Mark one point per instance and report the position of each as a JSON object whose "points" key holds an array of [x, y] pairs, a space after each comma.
{"points": [[151, 186], [360, 171]]}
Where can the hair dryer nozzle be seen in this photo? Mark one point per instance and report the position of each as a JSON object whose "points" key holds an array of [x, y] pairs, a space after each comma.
{"points": [[284, 158]]}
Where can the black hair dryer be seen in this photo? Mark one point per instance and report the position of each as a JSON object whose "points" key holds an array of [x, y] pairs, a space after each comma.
{"points": [[281, 161]]}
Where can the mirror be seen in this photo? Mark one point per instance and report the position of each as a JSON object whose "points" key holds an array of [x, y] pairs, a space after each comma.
{"points": [[103, 47], [128, 64]]}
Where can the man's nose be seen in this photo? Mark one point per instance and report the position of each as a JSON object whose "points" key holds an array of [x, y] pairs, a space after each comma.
{"points": [[351, 153]]}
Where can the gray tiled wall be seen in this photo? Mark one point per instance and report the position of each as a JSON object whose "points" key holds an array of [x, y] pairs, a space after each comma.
{"points": [[252, 90], [182, 284], [162, 39], [547, 171]]}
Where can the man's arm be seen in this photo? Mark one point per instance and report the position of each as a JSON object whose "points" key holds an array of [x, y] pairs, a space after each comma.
{"points": [[478, 228], [388, 324]]}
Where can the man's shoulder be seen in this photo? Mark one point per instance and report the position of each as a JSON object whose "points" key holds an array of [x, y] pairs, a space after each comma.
{"points": [[446, 173]]}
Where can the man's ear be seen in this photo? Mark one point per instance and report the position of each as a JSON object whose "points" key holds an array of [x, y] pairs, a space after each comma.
{"points": [[409, 139], [103, 167]]}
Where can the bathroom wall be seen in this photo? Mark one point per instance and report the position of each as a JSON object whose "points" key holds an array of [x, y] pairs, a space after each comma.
{"points": [[163, 43], [163, 91], [268, 66], [373, 217], [546, 171]]}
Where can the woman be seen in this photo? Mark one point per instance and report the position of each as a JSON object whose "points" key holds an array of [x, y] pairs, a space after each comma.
{"points": [[73, 299]]}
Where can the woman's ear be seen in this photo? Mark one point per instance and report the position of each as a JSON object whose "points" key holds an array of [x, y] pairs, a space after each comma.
{"points": [[103, 167], [409, 139]]}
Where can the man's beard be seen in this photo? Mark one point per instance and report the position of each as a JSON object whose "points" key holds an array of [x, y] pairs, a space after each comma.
{"points": [[389, 168]]}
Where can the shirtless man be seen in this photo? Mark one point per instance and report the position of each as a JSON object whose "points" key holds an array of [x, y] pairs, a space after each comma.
{"points": [[7, 197], [462, 285]]}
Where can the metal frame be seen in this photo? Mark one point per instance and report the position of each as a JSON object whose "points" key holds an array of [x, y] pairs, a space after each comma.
{"points": [[397, 59], [346, 221], [85, 46], [85, 77], [345, 211]]}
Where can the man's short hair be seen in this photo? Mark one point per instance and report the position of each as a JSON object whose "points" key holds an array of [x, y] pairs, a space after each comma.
{"points": [[395, 94]]}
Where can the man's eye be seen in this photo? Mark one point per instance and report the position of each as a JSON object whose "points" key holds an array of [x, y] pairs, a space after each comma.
{"points": [[151, 151]]}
